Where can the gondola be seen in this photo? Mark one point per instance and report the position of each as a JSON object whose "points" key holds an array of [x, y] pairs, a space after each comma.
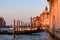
{"points": [[28, 31], [21, 32]]}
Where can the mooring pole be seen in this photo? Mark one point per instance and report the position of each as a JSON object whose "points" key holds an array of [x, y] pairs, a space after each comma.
{"points": [[17, 26], [31, 23], [14, 29]]}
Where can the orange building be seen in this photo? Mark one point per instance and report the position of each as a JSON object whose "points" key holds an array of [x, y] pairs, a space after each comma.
{"points": [[45, 18], [37, 21], [55, 11]]}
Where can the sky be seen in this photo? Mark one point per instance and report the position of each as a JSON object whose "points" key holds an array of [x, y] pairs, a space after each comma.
{"points": [[21, 9]]}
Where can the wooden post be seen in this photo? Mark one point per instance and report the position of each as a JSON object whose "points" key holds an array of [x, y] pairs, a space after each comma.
{"points": [[21, 25], [14, 28], [17, 26], [31, 23]]}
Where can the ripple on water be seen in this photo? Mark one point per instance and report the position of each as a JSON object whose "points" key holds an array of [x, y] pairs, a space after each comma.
{"points": [[40, 36]]}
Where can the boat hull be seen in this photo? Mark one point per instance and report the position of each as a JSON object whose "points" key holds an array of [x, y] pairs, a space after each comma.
{"points": [[22, 32]]}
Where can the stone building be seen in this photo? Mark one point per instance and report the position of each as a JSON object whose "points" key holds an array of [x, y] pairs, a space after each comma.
{"points": [[37, 21], [45, 18], [2, 22], [55, 11], [42, 21]]}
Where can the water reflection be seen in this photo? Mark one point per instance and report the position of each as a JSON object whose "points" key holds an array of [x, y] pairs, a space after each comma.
{"points": [[38, 36]]}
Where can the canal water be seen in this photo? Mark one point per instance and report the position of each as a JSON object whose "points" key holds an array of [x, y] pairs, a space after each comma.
{"points": [[37, 36]]}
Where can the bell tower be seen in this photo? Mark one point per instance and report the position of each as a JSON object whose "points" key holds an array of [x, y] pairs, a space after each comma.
{"points": [[46, 9]]}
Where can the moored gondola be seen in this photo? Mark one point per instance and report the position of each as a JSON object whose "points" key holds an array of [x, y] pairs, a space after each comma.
{"points": [[21, 32]]}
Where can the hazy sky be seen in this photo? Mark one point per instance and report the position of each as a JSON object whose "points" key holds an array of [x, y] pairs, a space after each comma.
{"points": [[21, 9]]}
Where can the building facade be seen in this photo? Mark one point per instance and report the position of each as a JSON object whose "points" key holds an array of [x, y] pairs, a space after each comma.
{"points": [[45, 18], [37, 21], [42, 21], [55, 11], [2, 22]]}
